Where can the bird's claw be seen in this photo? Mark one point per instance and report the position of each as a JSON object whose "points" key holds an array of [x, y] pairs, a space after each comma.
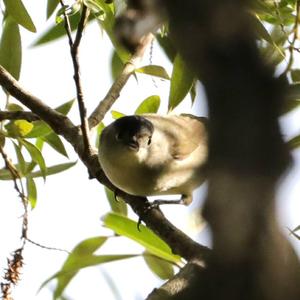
{"points": [[116, 195], [156, 204], [152, 205]]}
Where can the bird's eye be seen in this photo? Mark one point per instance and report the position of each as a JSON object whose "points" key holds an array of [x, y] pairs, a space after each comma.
{"points": [[149, 141]]}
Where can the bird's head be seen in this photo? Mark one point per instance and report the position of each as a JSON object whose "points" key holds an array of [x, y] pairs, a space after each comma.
{"points": [[129, 132]]}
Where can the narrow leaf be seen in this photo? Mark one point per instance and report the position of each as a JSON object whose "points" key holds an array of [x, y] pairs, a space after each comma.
{"points": [[260, 29], [66, 107], [116, 114], [21, 160], [167, 45], [81, 257], [126, 227], [31, 191], [10, 47], [149, 105], [36, 156], [56, 31], [100, 127], [163, 269], [116, 65], [294, 143], [116, 205], [84, 248], [54, 169], [51, 6], [55, 142], [17, 10], [40, 128], [295, 74], [181, 82], [154, 70]]}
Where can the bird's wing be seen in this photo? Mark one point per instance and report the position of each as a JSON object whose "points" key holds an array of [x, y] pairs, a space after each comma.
{"points": [[185, 132]]}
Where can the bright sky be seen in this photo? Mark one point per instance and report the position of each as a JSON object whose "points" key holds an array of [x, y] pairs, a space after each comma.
{"points": [[70, 205]]}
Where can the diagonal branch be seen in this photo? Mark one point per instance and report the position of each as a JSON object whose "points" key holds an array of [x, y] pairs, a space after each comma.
{"points": [[18, 115], [58, 122], [114, 92], [179, 242]]}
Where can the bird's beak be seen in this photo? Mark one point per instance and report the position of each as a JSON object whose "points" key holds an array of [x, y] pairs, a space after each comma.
{"points": [[133, 144]]}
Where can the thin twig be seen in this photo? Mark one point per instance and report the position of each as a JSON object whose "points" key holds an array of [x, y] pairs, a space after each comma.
{"points": [[74, 46], [12, 274], [114, 92], [18, 185], [18, 115]]}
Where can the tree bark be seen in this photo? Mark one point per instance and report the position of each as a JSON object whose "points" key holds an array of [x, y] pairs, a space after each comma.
{"points": [[250, 258]]}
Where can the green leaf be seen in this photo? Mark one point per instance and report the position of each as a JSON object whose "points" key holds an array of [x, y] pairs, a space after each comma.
{"points": [[84, 248], [2, 140], [116, 65], [68, 10], [294, 143], [23, 127], [149, 105], [11, 48], [163, 269], [105, 15], [55, 142], [18, 128], [290, 105], [21, 160], [100, 127], [260, 29], [154, 70], [126, 227], [14, 107], [81, 257], [56, 31], [51, 6], [116, 114], [293, 92], [66, 107], [17, 10], [31, 191], [117, 205], [36, 156], [181, 82], [54, 169], [40, 128], [295, 74], [167, 45]]}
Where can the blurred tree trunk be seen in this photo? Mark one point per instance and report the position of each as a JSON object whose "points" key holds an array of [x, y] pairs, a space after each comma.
{"points": [[250, 258]]}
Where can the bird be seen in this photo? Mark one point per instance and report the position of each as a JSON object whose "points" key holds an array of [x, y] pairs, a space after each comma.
{"points": [[152, 155]]}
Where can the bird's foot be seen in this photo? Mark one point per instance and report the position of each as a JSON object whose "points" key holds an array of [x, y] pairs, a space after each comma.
{"points": [[117, 194], [184, 200]]}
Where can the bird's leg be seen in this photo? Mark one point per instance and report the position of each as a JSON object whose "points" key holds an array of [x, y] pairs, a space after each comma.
{"points": [[184, 200], [116, 194]]}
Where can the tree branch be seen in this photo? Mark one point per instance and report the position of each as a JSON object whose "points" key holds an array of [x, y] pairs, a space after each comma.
{"points": [[18, 115], [74, 46], [181, 284], [180, 243], [114, 92], [58, 122]]}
